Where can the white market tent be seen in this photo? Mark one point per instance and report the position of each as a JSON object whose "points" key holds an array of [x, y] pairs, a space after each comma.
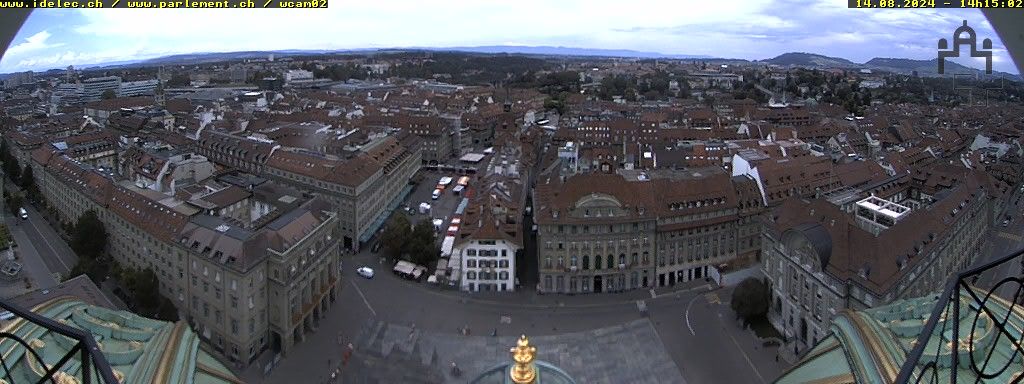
{"points": [[472, 157], [446, 246]]}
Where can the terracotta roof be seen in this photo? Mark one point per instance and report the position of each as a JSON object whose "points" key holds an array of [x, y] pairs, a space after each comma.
{"points": [[227, 196], [121, 102], [152, 217], [854, 250]]}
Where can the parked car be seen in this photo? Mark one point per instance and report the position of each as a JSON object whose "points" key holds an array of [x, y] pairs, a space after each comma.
{"points": [[366, 272], [23, 213], [436, 194], [1006, 223]]}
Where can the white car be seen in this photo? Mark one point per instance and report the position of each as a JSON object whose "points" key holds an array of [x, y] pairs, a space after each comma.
{"points": [[366, 272]]}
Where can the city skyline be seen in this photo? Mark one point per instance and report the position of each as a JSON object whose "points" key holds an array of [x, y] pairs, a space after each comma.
{"points": [[53, 38]]}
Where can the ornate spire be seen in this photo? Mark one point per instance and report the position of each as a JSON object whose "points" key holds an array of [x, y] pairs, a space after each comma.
{"points": [[523, 372]]}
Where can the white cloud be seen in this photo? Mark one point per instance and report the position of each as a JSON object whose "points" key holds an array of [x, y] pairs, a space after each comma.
{"points": [[750, 29], [35, 42]]}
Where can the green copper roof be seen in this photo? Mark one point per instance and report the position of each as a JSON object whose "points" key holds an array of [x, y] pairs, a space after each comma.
{"points": [[546, 374], [140, 350], [871, 346]]}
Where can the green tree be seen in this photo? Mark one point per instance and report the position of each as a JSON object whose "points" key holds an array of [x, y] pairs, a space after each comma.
{"points": [[96, 270], [395, 235], [422, 246], [750, 299], [179, 80], [28, 183], [90, 236], [14, 202], [108, 94], [10, 166], [145, 289]]}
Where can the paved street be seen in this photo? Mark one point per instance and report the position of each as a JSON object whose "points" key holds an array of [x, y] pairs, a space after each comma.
{"points": [[55, 252], [1002, 241], [31, 261], [717, 338], [40, 250], [700, 332]]}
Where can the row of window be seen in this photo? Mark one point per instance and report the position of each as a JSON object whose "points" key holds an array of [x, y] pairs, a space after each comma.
{"points": [[622, 243], [610, 228], [602, 283], [610, 264], [473, 275], [486, 252], [472, 263]]}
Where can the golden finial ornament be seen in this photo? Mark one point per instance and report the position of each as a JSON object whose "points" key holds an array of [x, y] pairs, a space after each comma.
{"points": [[523, 372]]}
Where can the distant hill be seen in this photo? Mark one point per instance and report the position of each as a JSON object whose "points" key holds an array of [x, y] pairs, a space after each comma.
{"points": [[927, 68], [801, 59], [790, 59], [566, 51]]}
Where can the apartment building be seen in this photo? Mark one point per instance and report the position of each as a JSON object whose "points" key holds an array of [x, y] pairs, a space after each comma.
{"points": [[137, 88], [247, 278], [491, 231], [650, 228], [704, 222], [821, 259], [596, 233], [364, 188], [436, 134], [94, 87]]}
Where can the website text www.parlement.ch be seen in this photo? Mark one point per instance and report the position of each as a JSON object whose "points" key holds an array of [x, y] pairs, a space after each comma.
{"points": [[162, 4], [126, 4]]}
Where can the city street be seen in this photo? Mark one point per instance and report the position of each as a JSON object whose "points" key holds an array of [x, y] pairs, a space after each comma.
{"points": [[701, 332], [45, 257], [1002, 241], [717, 339]]}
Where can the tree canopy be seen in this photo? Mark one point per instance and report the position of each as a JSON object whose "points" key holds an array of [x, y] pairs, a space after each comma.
{"points": [[90, 236], [751, 299], [422, 246], [28, 183], [11, 166], [417, 244], [395, 234]]}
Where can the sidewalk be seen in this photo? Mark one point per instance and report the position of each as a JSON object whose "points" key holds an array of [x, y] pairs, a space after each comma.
{"points": [[532, 299]]}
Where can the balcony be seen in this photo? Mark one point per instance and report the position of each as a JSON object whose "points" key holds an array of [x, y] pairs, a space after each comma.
{"points": [[974, 330], [82, 360]]}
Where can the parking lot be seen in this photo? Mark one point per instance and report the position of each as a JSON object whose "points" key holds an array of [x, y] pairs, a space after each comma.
{"points": [[442, 208]]}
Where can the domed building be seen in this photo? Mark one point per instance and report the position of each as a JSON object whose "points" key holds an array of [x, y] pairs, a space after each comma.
{"points": [[873, 345], [138, 349]]}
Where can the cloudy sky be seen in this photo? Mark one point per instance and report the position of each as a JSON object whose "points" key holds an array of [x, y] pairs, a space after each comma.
{"points": [[56, 38]]}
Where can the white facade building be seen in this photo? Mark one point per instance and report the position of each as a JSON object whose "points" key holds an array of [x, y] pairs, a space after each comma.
{"points": [[297, 74], [488, 265], [93, 88], [138, 88]]}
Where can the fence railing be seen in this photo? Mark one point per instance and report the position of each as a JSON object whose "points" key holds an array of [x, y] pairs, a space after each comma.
{"points": [[969, 337], [83, 360]]}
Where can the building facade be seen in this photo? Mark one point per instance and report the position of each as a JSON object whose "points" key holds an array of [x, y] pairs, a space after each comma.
{"points": [[820, 259], [596, 233], [244, 285]]}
